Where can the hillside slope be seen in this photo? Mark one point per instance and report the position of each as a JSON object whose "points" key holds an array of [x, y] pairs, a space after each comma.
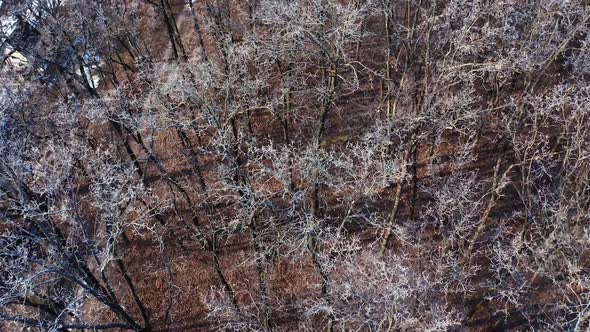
{"points": [[307, 165]]}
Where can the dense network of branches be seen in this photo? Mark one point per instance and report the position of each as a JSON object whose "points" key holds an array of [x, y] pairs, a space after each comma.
{"points": [[280, 165]]}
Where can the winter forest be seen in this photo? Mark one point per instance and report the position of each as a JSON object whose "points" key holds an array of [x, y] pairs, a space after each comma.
{"points": [[294, 165]]}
